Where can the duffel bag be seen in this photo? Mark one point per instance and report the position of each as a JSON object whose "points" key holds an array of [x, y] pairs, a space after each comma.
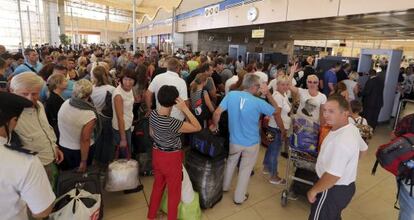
{"points": [[77, 204], [122, 173], [391, 155], [208, 143]]}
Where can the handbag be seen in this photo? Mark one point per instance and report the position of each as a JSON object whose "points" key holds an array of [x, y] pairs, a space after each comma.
{"points": [[77, 204], [122, 173]]}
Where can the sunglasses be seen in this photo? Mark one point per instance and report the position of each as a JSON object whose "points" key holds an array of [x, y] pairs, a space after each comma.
{"points": [[313, 82]]}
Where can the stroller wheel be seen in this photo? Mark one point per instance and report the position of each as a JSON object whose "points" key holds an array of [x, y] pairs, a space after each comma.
{"points": [[284, 198]]}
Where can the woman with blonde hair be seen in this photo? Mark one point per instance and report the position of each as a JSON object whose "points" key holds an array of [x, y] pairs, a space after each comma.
{"points": [[79, 126], [102, 99], [270, 162], [201, 104], [352, 85]]}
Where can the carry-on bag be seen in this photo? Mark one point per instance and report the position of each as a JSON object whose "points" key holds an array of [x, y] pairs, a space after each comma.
{"points": [[391, 155], [77, 204], [122, 173], [208, 143], [206, 175]]}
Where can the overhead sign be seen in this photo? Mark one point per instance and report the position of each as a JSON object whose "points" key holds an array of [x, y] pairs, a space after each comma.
{"points": [[258, 33], [211, 10]]}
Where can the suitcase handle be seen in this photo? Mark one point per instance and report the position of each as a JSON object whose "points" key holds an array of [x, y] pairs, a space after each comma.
{"points": [[117, 149]]}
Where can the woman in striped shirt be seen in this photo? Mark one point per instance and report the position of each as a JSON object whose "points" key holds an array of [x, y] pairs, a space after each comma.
{"points": [[167, 154]]}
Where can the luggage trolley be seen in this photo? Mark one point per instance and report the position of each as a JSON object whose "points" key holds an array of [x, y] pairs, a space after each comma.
{"points": [[297, 159]]}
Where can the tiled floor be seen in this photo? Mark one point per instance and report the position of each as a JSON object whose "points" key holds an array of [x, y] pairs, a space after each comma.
{"points": [[374, 198]]}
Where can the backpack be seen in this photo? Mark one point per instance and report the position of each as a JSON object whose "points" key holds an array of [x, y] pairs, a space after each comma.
{"points": [[200, 110], [391, 155], [107, 109], [397, 158], [405, 125], [366, 131]]}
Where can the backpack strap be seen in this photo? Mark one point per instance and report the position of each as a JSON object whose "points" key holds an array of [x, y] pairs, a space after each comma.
{"points": [[31, 68], [374, 168]]}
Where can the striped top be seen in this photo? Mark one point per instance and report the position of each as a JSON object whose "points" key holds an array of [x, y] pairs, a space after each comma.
{"points": [[165, 131]]}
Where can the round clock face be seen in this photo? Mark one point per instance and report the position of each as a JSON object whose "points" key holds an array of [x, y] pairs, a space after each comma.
{"points": [[252, 14]]}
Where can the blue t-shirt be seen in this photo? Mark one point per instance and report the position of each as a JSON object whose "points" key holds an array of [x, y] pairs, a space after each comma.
{"points": [[24, 68], [244, 111], [329, 77]]}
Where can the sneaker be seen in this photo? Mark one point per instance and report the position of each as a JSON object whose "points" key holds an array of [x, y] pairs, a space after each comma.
{"points": [[265, 172], [277, 182], [240, 203]]}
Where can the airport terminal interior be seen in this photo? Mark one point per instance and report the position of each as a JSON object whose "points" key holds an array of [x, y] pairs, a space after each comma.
{"points": [[175, 75]]}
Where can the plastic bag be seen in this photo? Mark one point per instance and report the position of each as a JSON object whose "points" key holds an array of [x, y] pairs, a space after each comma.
{"points": [[207, 175], [189, 211], [77, 204], [122, 175], [187, 192]]}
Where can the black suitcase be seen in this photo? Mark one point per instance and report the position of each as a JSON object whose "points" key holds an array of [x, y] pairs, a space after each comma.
{"points": [[88, 181], [206, 175], [142, 144]]}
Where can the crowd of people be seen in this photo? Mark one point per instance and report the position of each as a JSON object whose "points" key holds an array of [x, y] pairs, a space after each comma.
{"points": [[81, 104]]}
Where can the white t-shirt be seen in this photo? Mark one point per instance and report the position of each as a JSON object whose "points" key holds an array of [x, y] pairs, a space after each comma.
{"points": [[70, 122], [284, 104], [317, 100], [128, 101], [340, 153], [99, 94], [172, 79], [263, 77], [230, 82], [24, 183], [350, 85], [358, 120]]}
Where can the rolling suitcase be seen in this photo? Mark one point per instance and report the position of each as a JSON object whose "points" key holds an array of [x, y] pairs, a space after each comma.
{"points": [[206, 175], [142, 145]]}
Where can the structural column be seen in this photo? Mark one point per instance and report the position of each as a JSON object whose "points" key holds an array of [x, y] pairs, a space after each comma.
{"points": [[61, 7], [21, 25], [134, 25]]}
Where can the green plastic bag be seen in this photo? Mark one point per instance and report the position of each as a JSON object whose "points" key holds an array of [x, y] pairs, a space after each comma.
{"points": [[190, 211]]}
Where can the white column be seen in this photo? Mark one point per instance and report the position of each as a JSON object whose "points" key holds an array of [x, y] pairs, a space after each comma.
{"points": [[106, 25], [21, 25], [174, 11], [71, 27], [134, 25], [77, 31], [30, 26], [40, 22]]}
